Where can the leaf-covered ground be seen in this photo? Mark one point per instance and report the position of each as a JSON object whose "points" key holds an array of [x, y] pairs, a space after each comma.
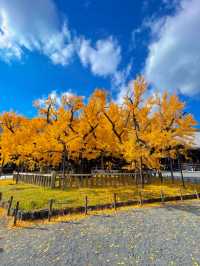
{"points": [[167, 235], [35, 197]]}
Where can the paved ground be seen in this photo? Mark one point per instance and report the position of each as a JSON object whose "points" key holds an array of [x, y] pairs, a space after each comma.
{"points": [[150, 236]]}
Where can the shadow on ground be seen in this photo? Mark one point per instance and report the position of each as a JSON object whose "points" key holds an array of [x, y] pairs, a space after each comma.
{"points": [[102, 215], [194, 209], [69, 222], [35, 228]]}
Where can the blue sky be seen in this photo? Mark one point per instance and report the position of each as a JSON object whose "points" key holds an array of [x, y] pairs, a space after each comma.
{"points": [[75, 46]]}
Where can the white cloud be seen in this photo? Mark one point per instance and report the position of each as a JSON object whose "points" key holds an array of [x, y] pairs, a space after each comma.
{"points": [[33, 26], [103, 59], [174, 57]]}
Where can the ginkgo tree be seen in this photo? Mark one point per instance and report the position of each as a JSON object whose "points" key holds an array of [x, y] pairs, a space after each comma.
{"points": [[137, 147], [157, 128], [60, 131], [174, 129], [142, 131], [12, 126]]}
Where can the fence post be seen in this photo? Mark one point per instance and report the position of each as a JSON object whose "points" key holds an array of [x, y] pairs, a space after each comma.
{"points": [[140, 198], [13, 176], [10, 205], [181, 195], [86, 205], [197, 194], [53, 179], [16, 213], [50, 209], [115, 201], [162, 196], [16, 178]]}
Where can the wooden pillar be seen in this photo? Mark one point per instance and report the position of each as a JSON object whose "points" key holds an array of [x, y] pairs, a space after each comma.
{"points": [[115, 201], [162, 196], [140, 198], [53, 179], [50, 210], [86, 205], [10, 205], [16, 213]]}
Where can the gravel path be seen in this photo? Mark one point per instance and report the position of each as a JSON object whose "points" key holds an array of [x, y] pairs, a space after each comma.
{"points": [[168, 235]]}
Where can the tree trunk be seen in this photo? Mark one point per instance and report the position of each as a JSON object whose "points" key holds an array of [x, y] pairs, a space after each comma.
{"points": [[63, 162], [136, 178], [80, 166], [141, 173], [160, 176], [102, 161], [1, 170], [180, 166], [171, 169], [64, 180]]}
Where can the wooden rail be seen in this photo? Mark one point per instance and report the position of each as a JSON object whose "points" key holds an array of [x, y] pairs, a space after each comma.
{"points": [[85, 207]]}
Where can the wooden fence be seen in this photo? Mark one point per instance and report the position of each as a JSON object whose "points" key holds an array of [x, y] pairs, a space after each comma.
{"points": [[55, 180], [95, 180], [45, 180], [54, 209]]}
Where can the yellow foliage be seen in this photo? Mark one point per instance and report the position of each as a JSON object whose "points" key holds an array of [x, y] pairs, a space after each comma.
{"points": [[142, 131]]}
